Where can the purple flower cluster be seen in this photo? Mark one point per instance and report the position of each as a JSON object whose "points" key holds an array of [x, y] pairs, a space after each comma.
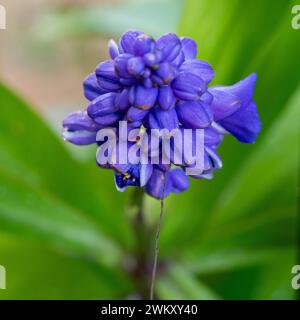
{"points": [[160, 84]]}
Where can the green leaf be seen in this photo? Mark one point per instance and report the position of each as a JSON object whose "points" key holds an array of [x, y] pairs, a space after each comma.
{"points": [[179, 283], [275, 159], [39, 272], [27, 211], [235, 258], [31, 153]]}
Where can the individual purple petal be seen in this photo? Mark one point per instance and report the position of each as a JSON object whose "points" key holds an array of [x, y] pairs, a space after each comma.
{"points": [[241, 121], [113, 49], [207, 176], [194, 114], [134, 114], [187, 86], [244, 124], [189, 48], [146, 171], [107, 78], [243, 89], [143, 98], [103, 105], [179, 180], [127, 82], [166, 98], [177, 62], [214, 158], [91, 87], [151, 59], [169, 46], [224, 103], [212, 137], [143, 44], [160, 119], [147, 83], [122, 100], [121, 63], [136, 66], [199, 68], [80, 138], [166, 72], [127, 41], [206, 98], [109, 119], [157, 187], [79, 128], [80, 120], [157, 80]]}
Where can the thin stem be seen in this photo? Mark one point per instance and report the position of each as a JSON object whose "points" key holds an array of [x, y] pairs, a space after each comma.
{"points": [[157, 242]]}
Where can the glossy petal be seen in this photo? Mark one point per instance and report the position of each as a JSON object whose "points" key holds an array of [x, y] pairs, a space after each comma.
{"points": [[243, 89], [127, 41], [156, 186], [103, 105], [146, 171], [215, 159], [160, 119], [134, 114], [122, 100], [199, 68], [121, 63], [151, 59], [91, 87], [212, 137], [113, 49], [80, 138], [143, 44], [166, 72], [107, 78], [80, 129], [136, 66], [109, 119], [143, 98], [170, 46], [179, 180], [187, 86], [224, 103], [189, 48], [244, 124], [166, 98], [194, 114], [80, 120]]}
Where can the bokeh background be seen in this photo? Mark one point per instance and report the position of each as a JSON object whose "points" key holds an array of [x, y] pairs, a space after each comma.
{"points": [[66, 233]]}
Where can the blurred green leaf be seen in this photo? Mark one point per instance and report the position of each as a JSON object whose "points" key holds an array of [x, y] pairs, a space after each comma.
{"points": [[237, 224], [31, 153], [179, 283], [228, 260], [39, 272], [24, 210], [275, 159]]}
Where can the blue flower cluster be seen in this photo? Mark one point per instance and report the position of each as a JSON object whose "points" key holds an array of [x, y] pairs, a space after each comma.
{"points": [[160, 84]]}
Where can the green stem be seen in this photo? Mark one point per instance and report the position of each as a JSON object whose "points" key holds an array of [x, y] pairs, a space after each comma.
{"points": [[143, 235]]}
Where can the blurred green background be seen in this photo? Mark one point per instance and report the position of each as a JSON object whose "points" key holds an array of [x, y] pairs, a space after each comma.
{"points": [[66, 233]]}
